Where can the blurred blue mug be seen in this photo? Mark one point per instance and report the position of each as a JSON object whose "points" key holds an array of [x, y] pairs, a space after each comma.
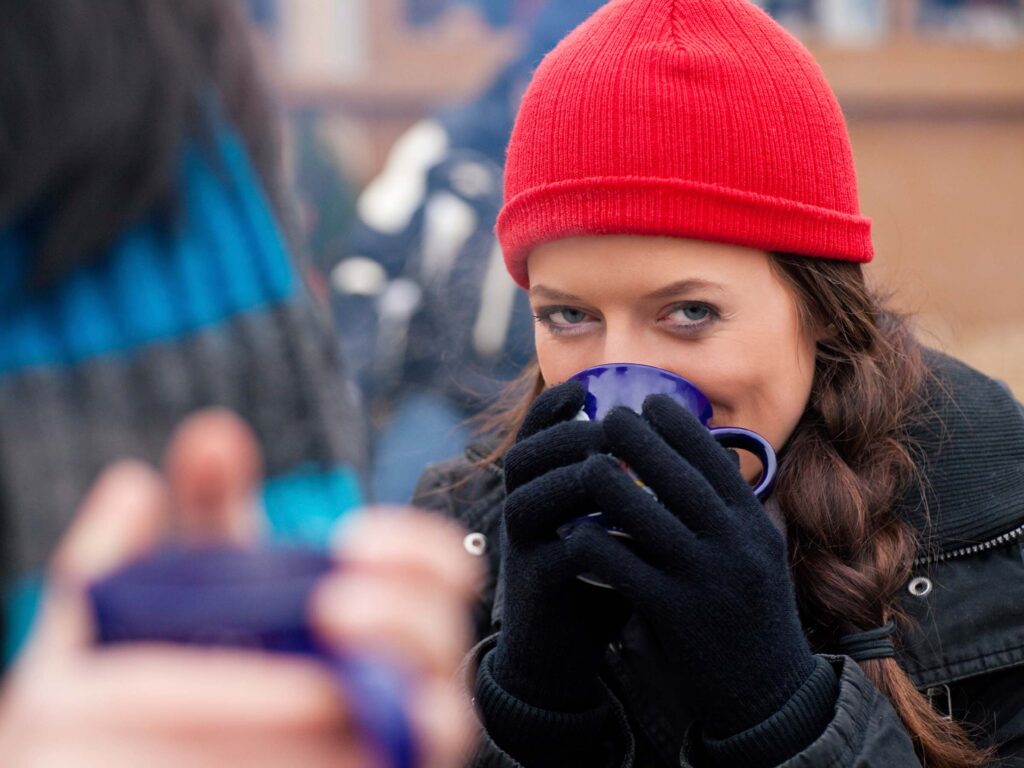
{"points": [[251, 599]]}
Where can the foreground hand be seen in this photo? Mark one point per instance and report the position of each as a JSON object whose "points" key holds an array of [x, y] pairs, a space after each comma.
{"points": [[706, 566], [403, 591]]}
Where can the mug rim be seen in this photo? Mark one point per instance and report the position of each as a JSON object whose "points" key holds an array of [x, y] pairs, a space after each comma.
{"points": [[704, 411]]}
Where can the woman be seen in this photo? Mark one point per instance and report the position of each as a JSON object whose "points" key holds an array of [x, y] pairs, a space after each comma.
{"points": [[680, 192]]}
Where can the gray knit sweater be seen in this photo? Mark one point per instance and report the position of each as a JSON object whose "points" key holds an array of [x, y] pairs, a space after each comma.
{"points": [[104, 364]]}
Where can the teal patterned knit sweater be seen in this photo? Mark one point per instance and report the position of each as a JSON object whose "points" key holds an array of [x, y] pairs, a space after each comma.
{"points": [[105, 363]]}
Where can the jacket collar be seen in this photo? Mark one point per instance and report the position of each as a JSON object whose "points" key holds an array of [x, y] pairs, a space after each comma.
{"points": [[969, 441]]}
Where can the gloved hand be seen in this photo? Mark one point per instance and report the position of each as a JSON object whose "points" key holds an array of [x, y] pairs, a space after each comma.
{"points": [[554, 628], [706, 568]]}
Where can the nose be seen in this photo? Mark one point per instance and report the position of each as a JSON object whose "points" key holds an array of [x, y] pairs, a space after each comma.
{"points": [[626, 345]]}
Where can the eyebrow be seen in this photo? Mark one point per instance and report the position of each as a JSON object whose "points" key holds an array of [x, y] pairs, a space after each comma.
{"points": [[672, 289]]}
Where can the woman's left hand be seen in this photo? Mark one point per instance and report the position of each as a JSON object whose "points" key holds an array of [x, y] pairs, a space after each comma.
{"points": [[705, 566]]}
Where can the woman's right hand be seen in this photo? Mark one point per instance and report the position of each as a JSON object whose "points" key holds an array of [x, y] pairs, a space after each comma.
{"points": [[554, 628], [404, 590]]}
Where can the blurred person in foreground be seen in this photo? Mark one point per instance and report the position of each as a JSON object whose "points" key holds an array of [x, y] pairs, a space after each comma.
{"points": [[144, 276]]}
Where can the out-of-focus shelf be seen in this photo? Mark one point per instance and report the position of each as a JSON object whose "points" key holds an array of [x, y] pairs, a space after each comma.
{"points": [[369, 100], [390, 92], [909, 77], [926, 78], [407, 71]]}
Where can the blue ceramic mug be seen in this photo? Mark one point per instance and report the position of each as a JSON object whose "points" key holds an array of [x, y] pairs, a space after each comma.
{"points": [[629, 384], [253, 599]]}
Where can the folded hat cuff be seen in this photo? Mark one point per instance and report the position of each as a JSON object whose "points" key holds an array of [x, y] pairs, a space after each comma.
{"points": [[675, 208]]}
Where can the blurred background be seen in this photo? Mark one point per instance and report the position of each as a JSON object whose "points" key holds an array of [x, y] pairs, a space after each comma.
{"points": [[399, 111]]}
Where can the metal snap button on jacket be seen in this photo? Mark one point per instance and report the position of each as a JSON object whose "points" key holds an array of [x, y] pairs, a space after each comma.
{"points": [[920, 587], [475, 544]]}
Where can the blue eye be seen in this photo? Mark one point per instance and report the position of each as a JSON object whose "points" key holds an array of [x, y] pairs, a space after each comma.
{"points": [[692, 316], [565, 320], [695, 312], [568, 316]]}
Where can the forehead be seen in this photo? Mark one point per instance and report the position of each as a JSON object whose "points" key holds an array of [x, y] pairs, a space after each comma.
{"points": [[634, 266]]}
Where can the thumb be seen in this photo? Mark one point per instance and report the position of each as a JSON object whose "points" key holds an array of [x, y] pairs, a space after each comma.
{"points": [[215, 467], [123, 516]]}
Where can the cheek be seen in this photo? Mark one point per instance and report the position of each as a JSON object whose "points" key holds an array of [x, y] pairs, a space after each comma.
{"points": [[763, 385], [765, 396], [785, 397], [557, 361]]}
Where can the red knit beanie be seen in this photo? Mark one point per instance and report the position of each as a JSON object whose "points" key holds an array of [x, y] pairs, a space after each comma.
{"points": [[699, 119]]}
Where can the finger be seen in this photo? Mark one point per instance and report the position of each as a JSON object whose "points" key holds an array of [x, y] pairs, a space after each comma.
{"points": [[676, 483], [63, 627], [206, 708], [612, 562], [658, 537], [445, 725], [565, 443], [535, 511], [693, 441], [203, 690], [123, 516], [411, 542], [421, 629], [214, 466], [218, 698], [559, 403], [326, 748]]}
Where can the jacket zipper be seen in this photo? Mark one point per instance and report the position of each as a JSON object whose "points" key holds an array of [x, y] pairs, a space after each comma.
{"points": [[974, 549]]}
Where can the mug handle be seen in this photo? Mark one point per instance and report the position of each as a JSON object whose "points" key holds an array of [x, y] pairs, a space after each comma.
{"points": [[378, 694], [745, 440]]}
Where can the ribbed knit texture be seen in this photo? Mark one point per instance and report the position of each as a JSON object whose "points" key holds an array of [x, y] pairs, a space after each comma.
{"points": [[975, 487], [773, 741], [699, 119], [105, 363], [537, 737]]}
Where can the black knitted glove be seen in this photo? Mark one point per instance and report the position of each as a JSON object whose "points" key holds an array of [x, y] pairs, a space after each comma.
{"points": [[708, 570], [554, 628]]}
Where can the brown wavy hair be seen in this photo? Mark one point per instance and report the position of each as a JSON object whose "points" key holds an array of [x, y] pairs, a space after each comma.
{"points": [[842, 476]]}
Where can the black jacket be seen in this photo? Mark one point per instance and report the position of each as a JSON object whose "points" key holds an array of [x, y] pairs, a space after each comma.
{"points": [[966, 594]]}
